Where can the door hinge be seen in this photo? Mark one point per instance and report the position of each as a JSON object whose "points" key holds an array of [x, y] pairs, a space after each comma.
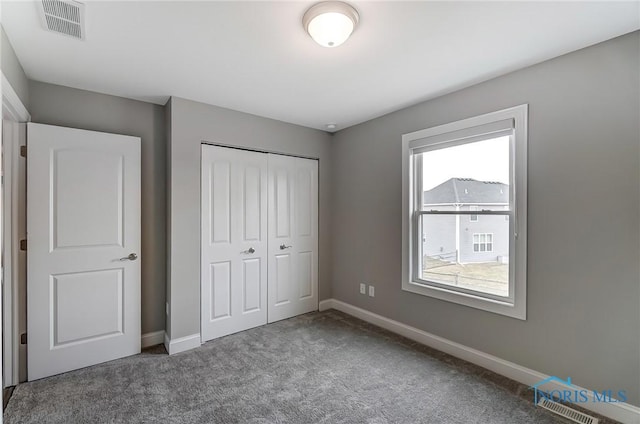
{"points": [[23, 245], [23, 338], [23, 151]]}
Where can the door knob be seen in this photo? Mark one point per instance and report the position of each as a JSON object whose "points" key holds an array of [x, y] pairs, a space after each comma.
{"points": [[250, 250], [282, 247], [131, 257]]}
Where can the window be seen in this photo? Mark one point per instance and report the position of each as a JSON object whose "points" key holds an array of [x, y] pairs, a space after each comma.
{"points": [[464, 208], [483, 242], [473, 218]]}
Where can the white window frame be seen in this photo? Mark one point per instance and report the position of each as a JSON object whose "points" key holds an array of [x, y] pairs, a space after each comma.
{"points": [[495, 124]]}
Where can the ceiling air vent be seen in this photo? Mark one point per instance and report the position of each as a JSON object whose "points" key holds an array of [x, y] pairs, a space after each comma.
{"points": [[63, 16]]}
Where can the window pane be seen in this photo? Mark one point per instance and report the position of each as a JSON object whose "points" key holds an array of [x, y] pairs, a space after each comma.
{"points": [[466, 262], [468, 177]]}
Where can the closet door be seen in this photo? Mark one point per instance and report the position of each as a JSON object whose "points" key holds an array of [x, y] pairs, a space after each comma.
{"points": [[234, 246], [293, 237]]}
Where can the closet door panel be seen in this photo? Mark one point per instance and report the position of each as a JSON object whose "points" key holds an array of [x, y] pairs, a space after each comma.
{"points": [[234, 241], [293, 237]]}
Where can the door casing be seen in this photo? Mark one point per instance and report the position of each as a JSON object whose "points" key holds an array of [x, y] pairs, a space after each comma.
{"points": [[14, 217]]}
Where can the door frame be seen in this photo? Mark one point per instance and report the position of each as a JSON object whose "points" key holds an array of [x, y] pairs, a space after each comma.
{"points": [[14, 218], [252, 149]]}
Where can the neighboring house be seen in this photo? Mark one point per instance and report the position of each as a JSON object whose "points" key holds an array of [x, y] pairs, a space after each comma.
{"points": [[466, 238]]}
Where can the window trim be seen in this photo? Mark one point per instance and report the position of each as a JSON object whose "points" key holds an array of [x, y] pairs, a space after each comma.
{"points": [[463, 132]]}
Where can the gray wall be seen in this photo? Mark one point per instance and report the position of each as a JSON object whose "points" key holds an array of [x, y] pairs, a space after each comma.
{"points": [[12, 69], [583, 246], [69, 107], [192, 123]]}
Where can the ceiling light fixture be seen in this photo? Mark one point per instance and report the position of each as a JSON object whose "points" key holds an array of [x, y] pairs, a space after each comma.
{"points": [[330, 23]]}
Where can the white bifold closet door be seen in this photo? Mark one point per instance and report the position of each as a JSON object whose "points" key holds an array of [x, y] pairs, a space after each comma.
{"points": [[259, 239], [293, 236], [234, 241]]}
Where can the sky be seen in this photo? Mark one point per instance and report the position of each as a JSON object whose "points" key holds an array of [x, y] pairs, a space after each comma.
{"points": [[486, 160]]}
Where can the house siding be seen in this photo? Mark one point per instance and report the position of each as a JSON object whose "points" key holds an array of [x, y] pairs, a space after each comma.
{"points": [[439, 237], [493, 224]]}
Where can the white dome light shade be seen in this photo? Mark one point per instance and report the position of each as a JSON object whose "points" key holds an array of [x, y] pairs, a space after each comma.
{"points": [[330, 29], [330, 23]]}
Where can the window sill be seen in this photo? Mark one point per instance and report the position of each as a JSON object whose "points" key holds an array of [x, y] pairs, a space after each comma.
{"points": [[477, 302]]}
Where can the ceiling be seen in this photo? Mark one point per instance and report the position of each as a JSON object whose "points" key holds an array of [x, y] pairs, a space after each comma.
{"points": [[255, 57]]}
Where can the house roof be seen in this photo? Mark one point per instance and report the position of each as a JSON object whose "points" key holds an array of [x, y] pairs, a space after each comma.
{"points": [[467, 190]]}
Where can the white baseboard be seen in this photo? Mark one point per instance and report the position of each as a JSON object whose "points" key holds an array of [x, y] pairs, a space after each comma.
{"points": [[181, 344], [623, 412], [323, 305], [152, 339]]}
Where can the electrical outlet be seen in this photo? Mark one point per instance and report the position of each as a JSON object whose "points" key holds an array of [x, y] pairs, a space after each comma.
{"points": [[363, 288], [372, 291]]}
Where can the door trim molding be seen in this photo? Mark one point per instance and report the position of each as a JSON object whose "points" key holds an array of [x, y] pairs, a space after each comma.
{"points": [[11, 102], [623, 412], [181, 344], [13, 231], [12, 110]]}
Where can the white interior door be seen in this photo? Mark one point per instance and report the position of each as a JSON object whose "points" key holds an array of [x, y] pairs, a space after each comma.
{"points": [[293, 236], [83, 231], [234, 246]]}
